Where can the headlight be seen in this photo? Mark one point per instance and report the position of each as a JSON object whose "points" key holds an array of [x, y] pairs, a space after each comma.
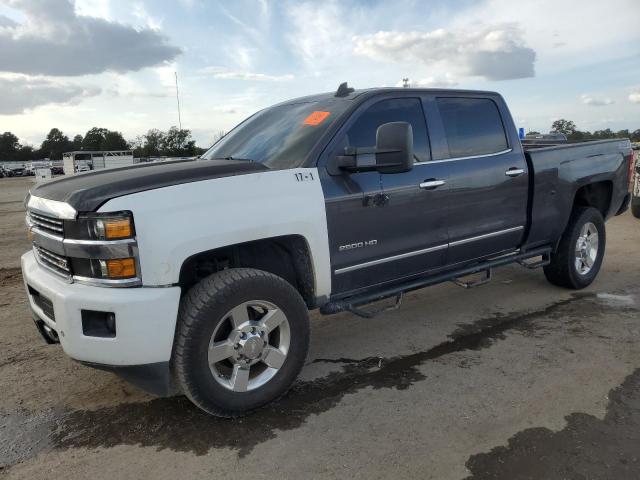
{"points": [[102, 248], [101, 226]]}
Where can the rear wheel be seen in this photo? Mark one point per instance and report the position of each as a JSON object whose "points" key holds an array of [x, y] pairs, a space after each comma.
{"points": [[242, 338], [577, 261], [635, 207]]}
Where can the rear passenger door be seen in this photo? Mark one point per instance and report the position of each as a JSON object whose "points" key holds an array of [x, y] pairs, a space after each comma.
{"points": [[488, 179]]}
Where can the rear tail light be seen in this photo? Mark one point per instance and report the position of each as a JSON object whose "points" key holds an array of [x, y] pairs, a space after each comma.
{"points": [[630, 172]]}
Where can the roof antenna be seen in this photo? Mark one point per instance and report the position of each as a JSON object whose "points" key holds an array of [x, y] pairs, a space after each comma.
{"points": [[344, 90], [178, 100]]}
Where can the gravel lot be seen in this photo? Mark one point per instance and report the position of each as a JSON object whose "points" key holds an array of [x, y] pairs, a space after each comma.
{"points": [[516, 379]]}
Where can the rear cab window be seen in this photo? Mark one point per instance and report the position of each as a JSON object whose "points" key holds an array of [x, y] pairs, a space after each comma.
{"points": [[472, 126]]}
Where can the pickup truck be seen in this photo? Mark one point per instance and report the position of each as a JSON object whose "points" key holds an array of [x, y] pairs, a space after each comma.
{"points": [[197, 276]]}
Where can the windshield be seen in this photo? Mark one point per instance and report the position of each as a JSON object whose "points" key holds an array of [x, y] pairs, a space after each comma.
{"points": [[279, 137]]}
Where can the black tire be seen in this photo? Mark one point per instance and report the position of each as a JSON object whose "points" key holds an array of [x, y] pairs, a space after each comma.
{"points": [[635, 207], [204, 307], [562, 270]]}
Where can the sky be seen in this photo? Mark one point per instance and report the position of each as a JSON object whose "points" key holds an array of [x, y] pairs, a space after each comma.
{"points": [[112, 63]]}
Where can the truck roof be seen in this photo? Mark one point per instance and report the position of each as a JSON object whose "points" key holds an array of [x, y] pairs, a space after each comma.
{"points": [[367, 92]]}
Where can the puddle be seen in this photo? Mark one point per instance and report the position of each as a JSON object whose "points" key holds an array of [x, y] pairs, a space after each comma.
{"points": [[586, 448], [175, 424], [614, 300]]}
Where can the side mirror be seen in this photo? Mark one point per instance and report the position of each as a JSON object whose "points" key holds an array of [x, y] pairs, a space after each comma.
{"points": [[394, 147], [393, 152]]}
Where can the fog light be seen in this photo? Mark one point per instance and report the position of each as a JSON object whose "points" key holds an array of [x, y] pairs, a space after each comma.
{"points": [[98, 324]]}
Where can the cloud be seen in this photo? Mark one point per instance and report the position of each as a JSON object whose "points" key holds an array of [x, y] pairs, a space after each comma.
{"points": [[634, 96], [6, 22], [20, 93], [318, 31], [595, 101], [496, 53], [55, 40], [140, 12], [224, 74]]}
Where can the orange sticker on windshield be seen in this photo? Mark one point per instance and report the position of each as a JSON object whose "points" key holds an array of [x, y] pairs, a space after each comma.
{"points": [[316, 118]]}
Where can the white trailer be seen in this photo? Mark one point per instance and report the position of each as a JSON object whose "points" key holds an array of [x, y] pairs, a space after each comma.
{"points": [[83, 161]]}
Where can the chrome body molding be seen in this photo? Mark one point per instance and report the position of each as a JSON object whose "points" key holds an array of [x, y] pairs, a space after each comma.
{"points": [[104, 250], [54, 208], [96, 282], [390, 259], [426, 250], [455, 159], [486, 235]]}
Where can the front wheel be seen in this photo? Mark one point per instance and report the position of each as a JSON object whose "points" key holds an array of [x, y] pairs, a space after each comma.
{"points": [[241, 340], [578, 258]]}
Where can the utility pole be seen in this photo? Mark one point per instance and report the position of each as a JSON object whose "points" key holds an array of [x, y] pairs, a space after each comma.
{"points": [[178, 101]]}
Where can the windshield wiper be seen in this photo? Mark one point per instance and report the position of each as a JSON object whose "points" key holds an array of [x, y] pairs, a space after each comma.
{"points": [[234, 158]]}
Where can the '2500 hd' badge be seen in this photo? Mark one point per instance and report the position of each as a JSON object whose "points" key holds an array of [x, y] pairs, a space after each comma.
{"points": [[353, 246]]}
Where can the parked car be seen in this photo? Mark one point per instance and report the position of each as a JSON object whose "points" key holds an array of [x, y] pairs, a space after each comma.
{"points": [[635, 200], [198, 275], [18, 171], [5, 172]]}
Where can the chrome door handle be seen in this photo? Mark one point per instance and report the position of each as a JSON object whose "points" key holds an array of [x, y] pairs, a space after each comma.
{"points": [[514, 172], [432, 183]]}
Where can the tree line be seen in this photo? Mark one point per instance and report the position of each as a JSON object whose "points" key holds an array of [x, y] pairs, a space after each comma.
{"points": [[569, 128], [174, 142]]}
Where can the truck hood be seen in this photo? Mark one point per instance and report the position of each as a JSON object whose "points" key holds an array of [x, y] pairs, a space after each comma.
{"points": [[88, 191]]}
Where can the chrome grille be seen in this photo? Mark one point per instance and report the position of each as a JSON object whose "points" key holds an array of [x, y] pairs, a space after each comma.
{"points": [[52, 261], [45, 222]]}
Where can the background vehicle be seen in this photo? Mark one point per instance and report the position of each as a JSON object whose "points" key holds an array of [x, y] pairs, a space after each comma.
{"points": [[331, 201], [635, 200], [537, 140]]}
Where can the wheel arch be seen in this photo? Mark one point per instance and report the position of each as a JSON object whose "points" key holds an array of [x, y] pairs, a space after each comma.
{"points": [[597, 195], [287, 256]]}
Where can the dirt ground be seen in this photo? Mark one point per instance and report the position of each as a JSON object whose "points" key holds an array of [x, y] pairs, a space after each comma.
{"points": [[516, 379]]}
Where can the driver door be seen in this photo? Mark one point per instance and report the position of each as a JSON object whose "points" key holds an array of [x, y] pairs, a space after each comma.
{"points": [[384, 227]]}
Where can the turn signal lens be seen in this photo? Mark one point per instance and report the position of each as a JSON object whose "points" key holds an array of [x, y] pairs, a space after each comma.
{"points": [[121, 268], [121, 228]]}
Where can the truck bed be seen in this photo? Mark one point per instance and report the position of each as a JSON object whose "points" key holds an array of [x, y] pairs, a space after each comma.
{"points": [[560, 171]]}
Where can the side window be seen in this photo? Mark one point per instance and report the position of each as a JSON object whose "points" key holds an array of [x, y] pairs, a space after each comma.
{"points": [[363, 132], [472, 126]]}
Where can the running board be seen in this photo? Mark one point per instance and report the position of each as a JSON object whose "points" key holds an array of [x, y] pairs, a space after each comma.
{"points": [[545, 259], [474, 283], [350, 303], [374, 313]]}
